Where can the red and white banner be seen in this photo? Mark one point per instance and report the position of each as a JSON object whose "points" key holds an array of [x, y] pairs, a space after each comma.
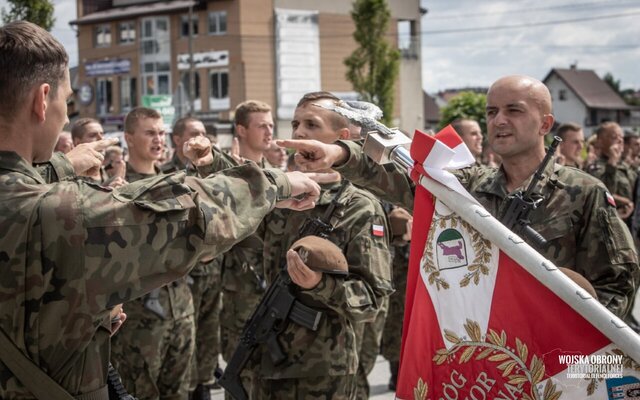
{"points": [[487, 317]]}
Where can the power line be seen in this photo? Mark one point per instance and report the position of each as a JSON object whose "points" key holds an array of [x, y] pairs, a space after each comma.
{"points": [[578, 7], [529, 24]]}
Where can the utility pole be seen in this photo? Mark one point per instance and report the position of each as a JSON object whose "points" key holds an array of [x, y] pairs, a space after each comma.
{"points": [[192, 76]]}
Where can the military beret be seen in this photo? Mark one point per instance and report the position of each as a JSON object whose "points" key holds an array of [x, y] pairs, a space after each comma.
{"points": [[580, 280], [398, 219], [321, 255]]}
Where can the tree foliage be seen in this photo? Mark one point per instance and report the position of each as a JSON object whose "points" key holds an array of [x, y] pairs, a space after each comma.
{"points": [[628, 95], [467, 105], [374, 66], [613, 82], [40, 12]]}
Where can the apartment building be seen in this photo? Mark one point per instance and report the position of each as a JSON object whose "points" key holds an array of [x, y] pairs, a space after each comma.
{"points": [[137, 52]]}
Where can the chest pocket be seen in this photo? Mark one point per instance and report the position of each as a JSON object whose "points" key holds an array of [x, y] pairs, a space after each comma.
{"points": [[561, 239]]}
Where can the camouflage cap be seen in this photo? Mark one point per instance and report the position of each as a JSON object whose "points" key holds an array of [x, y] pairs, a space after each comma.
{"points": [[321, 255], [580, 280]]}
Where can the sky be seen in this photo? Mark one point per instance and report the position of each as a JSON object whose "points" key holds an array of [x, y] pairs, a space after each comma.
{"points": [[462, 47], [471, 43]]}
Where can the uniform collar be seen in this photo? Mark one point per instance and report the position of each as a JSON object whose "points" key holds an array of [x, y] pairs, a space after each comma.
{"points": [[496, 183], [11, 161], [328, 192]]}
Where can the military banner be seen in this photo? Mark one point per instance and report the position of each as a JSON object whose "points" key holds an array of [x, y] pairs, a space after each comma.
{"points": [[486, 316]]}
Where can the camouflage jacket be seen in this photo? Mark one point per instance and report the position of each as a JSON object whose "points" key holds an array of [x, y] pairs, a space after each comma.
{"points": [[243, 274], [331, 350], [582, 228], [72, 250], [175, 165], [619, 179], [175, 298]]}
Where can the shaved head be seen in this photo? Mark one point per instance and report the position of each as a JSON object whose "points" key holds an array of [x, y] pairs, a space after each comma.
{"points": [[535, 90]]}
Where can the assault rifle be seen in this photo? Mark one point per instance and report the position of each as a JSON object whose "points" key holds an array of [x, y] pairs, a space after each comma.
{"points": [[521, 204], [277, 307]]}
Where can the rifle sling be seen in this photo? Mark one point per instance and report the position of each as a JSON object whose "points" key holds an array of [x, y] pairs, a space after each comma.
{"points": [[41, 385]]}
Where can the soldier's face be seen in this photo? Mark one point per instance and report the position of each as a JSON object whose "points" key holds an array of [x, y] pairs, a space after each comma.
{"points": [[146, 142], [515, 123], [313, 122], [92, 132], [472, 136], [192, 129], [572, 144], [258, 133]]}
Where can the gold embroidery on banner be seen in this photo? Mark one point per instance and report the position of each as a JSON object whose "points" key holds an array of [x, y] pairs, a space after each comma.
{"points": [[421, 390], [481, 246], [514, 363]]}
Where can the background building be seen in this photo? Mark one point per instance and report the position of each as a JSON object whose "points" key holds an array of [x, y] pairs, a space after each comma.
{"points": [[580, 96], [136, 52]]}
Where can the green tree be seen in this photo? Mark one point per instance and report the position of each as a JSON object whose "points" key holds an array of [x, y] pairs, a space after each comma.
{"points": [[40, 12], [467, 105], [373, 67], [613, 82]]}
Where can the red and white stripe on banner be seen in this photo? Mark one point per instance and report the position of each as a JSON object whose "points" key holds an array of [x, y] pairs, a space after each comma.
{"points": [[486, 316]]}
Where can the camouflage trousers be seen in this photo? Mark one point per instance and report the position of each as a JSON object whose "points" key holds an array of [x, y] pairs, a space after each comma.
{"points": [[312, 388], [153, 357], [207, 301], [368, 339], [392, 332]]}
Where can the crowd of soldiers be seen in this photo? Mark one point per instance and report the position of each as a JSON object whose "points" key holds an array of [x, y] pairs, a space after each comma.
{"points": [[175, 255]]}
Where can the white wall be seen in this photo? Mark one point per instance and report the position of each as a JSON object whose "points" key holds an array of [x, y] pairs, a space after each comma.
{"points": [[570, 110]]}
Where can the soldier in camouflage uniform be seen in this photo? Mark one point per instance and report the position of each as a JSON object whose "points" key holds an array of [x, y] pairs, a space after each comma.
{"points": [[243, 280], [73, 250], [618, 176], [580, 224], [89, 130], [204, 279], [325, 364], [399, 219], [153, 351]]}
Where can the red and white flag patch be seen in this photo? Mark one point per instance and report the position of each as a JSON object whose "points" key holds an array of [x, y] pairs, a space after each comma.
{"points": [[377, 230], [610, 199]]}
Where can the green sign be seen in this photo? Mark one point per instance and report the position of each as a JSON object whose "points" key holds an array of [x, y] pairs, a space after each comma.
{"points": [[162, 103]]}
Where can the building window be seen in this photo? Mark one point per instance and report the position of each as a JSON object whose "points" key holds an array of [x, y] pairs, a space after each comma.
{"points": [[184, 25], [217, 23], [562, 94], [184, 79], [219, 90], [408, 39], [104, 99], [126, 32], [102, 36], [155, 57], [128, 93]]}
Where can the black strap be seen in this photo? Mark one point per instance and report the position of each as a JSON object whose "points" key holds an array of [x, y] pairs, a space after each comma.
{"points": [[32, 377]]}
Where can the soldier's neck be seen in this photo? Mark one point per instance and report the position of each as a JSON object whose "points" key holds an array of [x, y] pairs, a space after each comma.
{"points": [[250, 154], [519, 169], [146, 167]]}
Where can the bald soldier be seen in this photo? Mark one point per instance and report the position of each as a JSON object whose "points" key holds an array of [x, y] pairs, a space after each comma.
{"points": [[583, 231], [73, 250]]}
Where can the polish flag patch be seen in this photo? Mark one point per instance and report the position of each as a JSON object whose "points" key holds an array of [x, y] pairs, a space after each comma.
{"points": [[610, 199], [377, 230]]}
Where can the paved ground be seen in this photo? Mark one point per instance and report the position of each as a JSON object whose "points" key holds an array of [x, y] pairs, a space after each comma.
{"points": [[378, 379]]}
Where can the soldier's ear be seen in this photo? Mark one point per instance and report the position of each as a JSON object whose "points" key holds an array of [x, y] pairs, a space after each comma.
{"points": [[240, 131], [547, 124], [344, 134], [39, 102]]}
